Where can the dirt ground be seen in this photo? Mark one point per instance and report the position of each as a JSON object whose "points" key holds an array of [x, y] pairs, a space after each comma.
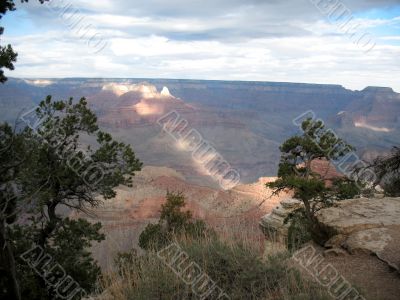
{"points": [[370, 276]]}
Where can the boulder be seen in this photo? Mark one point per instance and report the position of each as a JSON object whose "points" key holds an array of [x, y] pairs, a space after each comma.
{"points": [[365, 225]]}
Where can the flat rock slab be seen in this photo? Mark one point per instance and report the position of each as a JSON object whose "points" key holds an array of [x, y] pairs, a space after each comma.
{"points": [[366, 225], [353, 215]]}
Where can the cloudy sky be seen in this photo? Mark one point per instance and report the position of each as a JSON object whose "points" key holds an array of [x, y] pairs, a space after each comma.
{"points": [[355, 43]]}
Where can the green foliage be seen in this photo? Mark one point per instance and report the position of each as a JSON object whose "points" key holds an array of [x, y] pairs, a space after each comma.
{"points": [[7, 54], [41, 171], [14, 152], [299, 229], [74, 257], [344, 188], [387, 169], [45, 171], [7, 58], [70, 173], [296, 174], [6, 5], [392, 187], [172, 214], [173, 221], [153, 236], [304, 188]]}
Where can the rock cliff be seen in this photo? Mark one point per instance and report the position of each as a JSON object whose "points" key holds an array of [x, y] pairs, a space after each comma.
{"points": [[245, 121]]}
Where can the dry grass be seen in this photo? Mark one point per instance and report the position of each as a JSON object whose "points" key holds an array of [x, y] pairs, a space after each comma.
{"points": [[235, 260]]}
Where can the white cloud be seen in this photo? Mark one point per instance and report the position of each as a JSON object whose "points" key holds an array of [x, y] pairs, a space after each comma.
{"points": [[245, 40]]}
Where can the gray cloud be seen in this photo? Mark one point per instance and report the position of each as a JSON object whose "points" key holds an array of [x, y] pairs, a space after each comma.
{"points": [[211, 8], [220, 39], [221, 19]]}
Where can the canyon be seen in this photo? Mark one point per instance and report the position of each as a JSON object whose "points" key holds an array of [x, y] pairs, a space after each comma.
{"points": [[244, 121], [126, 215]]}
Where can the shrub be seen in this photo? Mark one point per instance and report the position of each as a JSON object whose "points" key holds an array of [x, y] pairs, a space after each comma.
{"points": [[236, 264], [387, 170], [392, 187], [237, 268], [173, 221]]}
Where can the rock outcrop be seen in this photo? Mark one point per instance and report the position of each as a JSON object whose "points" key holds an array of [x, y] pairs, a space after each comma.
{"points": [[365, 225], [272, 224], [363, 248]]}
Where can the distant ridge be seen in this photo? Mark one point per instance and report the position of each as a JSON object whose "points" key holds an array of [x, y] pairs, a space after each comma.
{"points": [[175, 80], [245, 121]]}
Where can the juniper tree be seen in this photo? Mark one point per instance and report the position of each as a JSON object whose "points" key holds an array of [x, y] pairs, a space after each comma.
{"points": [[58, 172], [13, 153], [295, 172]]}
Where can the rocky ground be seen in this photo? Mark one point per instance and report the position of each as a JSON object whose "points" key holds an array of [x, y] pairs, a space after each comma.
{"points": [[364, 244]]}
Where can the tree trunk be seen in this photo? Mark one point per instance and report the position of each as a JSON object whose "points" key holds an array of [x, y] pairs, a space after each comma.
{"points": [[318, 233], [50, 226], [42, 240], [8, 263]]}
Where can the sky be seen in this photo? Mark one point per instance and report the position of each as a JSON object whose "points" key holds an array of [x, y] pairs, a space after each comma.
{"points": [[350, 42]]}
